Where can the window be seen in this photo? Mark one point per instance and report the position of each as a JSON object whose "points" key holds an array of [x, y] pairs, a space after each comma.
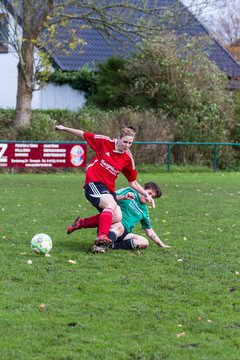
{"points": [[3, 33]]}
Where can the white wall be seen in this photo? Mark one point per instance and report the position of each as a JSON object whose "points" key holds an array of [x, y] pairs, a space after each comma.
{"points": [[50, 97], [8, 80], [53, 96]]}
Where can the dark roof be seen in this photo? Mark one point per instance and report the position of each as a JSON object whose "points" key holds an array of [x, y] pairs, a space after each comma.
{"points": [[98, 49]]}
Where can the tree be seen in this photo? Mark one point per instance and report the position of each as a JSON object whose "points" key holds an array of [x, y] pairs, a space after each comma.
{"points": [[225, 26], [26, 24], [188, 89], [36, 23], [225, 23]]}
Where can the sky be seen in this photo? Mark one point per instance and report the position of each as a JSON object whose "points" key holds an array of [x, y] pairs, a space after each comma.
{"points": [[205, 8], [212, 14]]}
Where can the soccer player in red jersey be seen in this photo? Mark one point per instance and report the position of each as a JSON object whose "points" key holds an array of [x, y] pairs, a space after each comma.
{"points": [[112, 156]]}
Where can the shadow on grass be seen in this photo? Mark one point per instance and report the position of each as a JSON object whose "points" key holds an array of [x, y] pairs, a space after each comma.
{"points": [[77, 243]]}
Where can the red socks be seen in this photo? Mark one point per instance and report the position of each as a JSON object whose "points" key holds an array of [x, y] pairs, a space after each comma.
{"points": [[105, 221], [90, 222]]}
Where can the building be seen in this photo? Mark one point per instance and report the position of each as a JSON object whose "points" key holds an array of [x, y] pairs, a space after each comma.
{"points": [[96, 50]]}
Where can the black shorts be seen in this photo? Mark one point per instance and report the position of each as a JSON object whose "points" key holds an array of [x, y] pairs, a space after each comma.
{"points": [[94, 191], [121, 238]]}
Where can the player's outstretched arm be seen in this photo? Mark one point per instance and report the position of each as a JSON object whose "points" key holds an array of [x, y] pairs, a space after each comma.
{"points": [[72, 131], [136, 186], [128, 196], [151, 233]]}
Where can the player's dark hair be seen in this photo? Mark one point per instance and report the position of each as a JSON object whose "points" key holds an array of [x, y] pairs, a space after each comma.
{"points": [[154, 187], [127, 131]]}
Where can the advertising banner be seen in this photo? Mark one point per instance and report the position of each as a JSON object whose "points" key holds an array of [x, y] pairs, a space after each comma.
{"points": [[44, 155]]}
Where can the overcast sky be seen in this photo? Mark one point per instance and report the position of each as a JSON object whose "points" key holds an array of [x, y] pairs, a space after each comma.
{"points": [[205, 8], [213, 14]]}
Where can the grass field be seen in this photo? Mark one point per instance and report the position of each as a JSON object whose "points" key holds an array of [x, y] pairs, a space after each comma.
{"points": [[181, 303]]}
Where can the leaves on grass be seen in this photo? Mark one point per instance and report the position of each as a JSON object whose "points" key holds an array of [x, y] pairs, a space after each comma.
{"points": [[42, 307], [203, 288], [181, 334], [72, 261]]}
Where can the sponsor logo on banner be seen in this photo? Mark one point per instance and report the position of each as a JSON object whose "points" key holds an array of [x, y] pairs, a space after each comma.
{"points": [[77, 155]]}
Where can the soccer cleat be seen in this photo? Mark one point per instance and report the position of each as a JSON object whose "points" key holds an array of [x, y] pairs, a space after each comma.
{"points": [[99, 249], [75, 225], [103, 240]]}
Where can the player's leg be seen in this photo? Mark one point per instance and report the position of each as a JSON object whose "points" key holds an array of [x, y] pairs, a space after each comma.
{"points": [[131, 242], [104, 201], [84, 223], [91, 221], [117, 215], [115, 233], [140, 242], [110, 212]]}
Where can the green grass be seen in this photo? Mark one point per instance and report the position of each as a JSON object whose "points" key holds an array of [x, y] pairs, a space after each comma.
{"points": [[124, 305]]}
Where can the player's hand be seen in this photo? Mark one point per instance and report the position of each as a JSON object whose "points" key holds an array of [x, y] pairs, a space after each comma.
{"points": [[151, 200], [164, 246], [59, 127], [129, 196]]}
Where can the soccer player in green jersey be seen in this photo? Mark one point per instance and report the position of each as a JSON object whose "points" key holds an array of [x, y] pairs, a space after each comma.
{"points": [[134, 210]]}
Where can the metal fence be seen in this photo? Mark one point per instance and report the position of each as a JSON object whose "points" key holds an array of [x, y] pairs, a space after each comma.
{"points": [[214, 145]]}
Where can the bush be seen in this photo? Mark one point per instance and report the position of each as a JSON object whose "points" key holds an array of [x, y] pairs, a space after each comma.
{"points": [[7, 124], [41, 128], [83, 80], [228, 158], [111, 85]]}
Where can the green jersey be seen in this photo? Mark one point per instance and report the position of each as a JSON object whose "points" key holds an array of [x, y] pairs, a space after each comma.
{"points": [[133, 211]]}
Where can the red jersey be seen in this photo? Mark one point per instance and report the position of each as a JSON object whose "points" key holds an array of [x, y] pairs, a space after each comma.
{"points": [[107, 163]]}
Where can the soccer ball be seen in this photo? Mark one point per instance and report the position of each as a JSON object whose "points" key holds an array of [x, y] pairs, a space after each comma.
{"points": [[41, 244]]}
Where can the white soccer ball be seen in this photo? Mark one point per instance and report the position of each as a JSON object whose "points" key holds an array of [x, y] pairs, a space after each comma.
{"points": [[41, 244]]}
